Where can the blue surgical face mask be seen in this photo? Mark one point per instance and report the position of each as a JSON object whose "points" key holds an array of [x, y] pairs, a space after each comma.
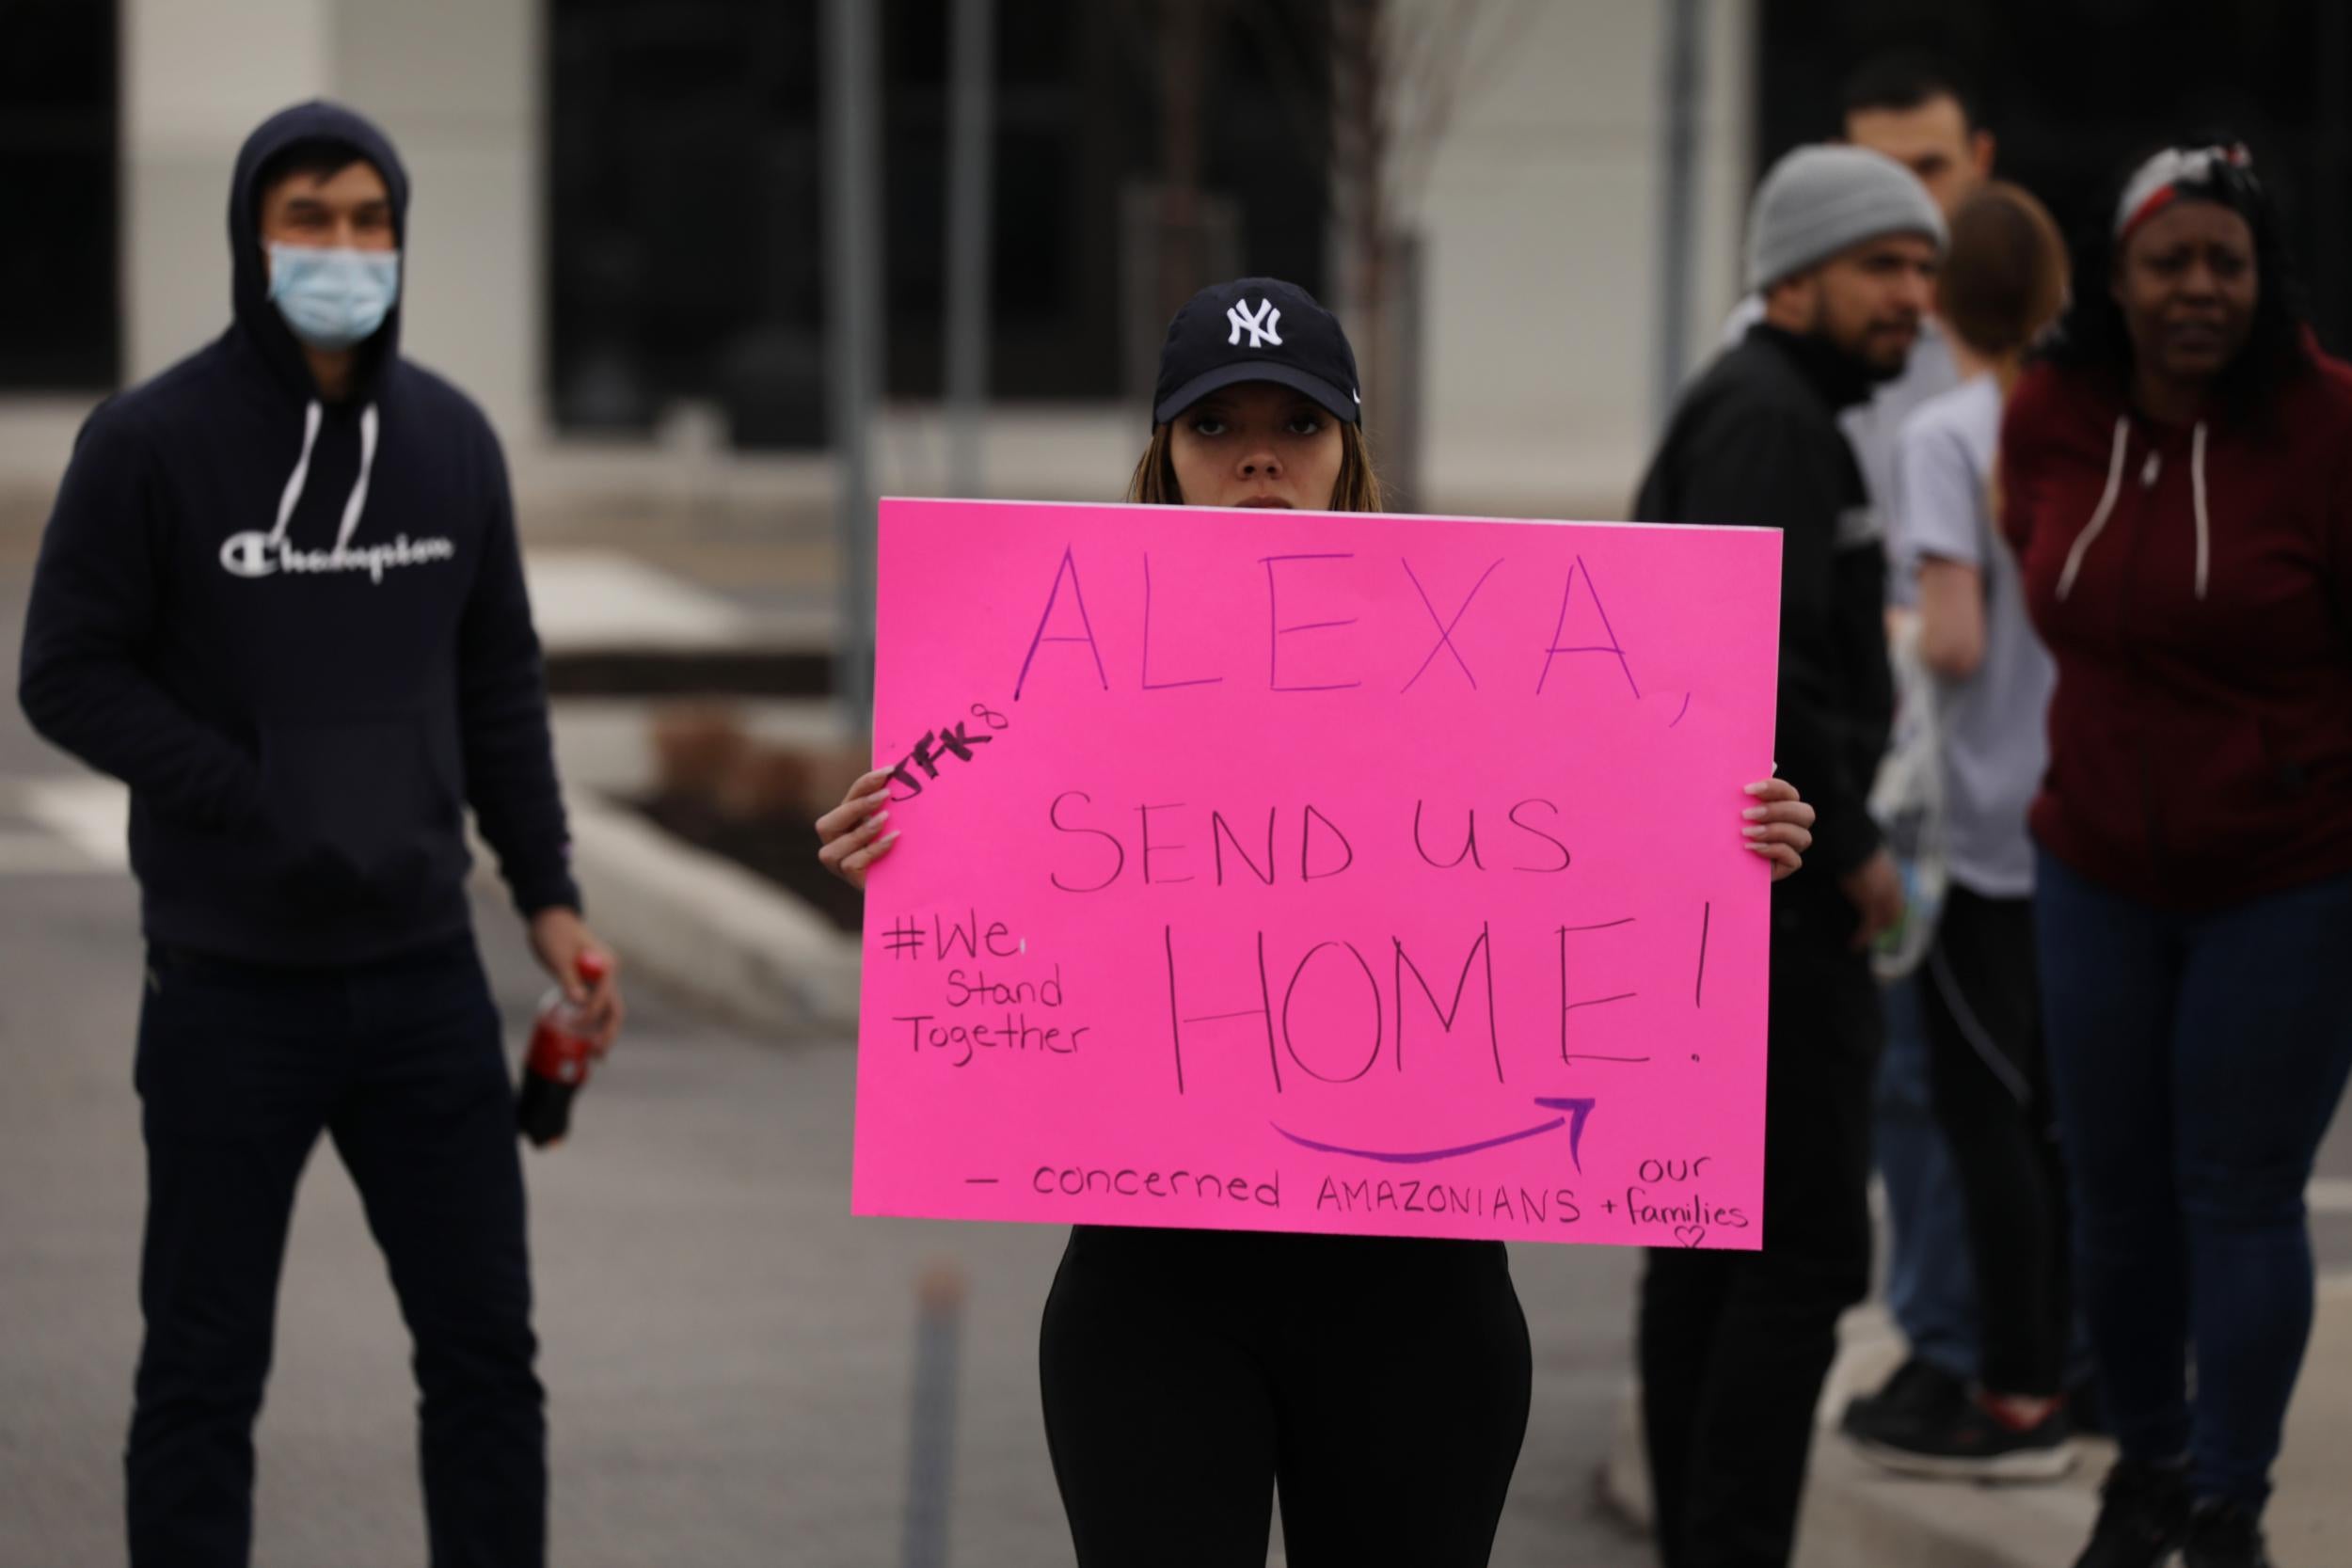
{"points": [[332, 298]]}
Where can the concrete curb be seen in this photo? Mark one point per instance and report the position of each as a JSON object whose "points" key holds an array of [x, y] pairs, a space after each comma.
{"points": [[702, 926], [711, 930]]}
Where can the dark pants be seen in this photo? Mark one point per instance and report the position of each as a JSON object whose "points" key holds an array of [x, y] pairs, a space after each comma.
{"points": [[2197, 1060], [1382, 1383], [1982, 1007], [239, 1068], [1931, 1287], [1734, 1345]]}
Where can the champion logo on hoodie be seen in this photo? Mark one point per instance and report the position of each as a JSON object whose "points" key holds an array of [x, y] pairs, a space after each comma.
{"points": [[254, 554]]}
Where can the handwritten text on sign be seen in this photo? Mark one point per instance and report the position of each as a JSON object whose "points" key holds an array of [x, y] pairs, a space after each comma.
{"points": [[1315, 872]]}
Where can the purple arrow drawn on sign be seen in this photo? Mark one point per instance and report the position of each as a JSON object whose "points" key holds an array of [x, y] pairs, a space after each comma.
{"points": [[1577, 1110]]}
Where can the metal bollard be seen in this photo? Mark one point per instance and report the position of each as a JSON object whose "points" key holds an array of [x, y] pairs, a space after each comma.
{"points": [[931, 1429]]}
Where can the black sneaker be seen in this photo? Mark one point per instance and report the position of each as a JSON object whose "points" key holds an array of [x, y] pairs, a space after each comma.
{"points": [[1976, 1445], [1919, 1397], [2223, 1535], [2143, 1517]]}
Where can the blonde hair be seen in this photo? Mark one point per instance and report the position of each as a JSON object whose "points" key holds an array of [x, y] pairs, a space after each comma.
{"points": [[1357, 490]]}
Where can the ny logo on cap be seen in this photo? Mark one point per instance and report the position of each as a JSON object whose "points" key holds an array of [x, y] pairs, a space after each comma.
{"points": [[1260, 324]]}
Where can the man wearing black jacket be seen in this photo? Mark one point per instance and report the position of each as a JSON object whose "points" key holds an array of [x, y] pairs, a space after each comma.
{"points": [[281, 597], [1842, 244]]}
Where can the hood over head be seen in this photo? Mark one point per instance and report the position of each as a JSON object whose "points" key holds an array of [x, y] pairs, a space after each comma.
{"points": [[316, 121]]}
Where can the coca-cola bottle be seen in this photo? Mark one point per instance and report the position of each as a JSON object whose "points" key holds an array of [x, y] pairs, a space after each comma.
{"points": [[562, 1053]]}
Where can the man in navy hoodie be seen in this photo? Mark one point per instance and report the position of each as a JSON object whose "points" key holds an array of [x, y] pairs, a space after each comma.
{"points": [[281, 598]]}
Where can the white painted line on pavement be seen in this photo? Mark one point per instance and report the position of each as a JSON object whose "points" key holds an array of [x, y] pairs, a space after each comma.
{"points": [[44, 854], [596, 599], [93, 814]]}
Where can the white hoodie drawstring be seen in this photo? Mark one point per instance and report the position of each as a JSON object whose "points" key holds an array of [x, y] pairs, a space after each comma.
{"points": [[2204, 528], [301, 474], [366, 464], [2107, 505], [311, 415]]}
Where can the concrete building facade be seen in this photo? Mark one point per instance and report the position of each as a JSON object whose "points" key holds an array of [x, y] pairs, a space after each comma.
{"points": [[1539, 219]]}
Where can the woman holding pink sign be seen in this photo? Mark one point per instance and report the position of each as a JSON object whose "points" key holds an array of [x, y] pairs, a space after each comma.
{"points": [[1380, 1382]]}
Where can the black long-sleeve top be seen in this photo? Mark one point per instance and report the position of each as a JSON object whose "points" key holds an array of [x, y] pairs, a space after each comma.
{"points": [[1755, 440]]}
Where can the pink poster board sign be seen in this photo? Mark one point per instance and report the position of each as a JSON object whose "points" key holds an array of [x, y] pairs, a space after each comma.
{"points": [[1306, 871]]}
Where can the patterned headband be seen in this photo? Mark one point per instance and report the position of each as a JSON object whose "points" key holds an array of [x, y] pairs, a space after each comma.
{"points": [[2154, 185]]}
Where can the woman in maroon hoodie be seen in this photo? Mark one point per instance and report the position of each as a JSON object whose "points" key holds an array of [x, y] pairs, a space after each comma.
{"points": [[2177, 479]]}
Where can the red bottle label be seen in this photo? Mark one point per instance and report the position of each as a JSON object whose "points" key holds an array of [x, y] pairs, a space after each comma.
{"points": [[556, 1053]]}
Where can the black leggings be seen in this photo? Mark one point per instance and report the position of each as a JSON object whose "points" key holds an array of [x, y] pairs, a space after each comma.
{"points": [[1990, 1082], [1382, 1383]]}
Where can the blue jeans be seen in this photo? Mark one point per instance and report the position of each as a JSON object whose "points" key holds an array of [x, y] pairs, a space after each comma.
{"points": [[2197, 1060], [1931, 1285]]}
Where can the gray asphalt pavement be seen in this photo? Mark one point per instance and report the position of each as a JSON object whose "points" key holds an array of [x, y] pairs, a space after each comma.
{"points": [[728, 1354]]}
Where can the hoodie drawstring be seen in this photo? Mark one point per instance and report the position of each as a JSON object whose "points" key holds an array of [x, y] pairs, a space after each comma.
{"points": [[2115, 485], [311, 417], [2107, 505], [359, 500], [2205, 527], [295, 482]]}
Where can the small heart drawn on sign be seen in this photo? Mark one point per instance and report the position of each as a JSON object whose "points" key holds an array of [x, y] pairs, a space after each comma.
{"points": [[1690, 1235]]}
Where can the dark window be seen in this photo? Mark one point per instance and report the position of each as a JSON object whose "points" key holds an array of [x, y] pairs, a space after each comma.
{"points": [[686, 193], [2073, 87], [60, 325]]}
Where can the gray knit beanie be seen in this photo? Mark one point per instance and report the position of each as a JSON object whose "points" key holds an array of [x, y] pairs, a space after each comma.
{"points": [[1817, 200]]}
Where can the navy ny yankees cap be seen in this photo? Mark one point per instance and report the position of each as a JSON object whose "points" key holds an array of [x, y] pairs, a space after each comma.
{"points": [[1255, 330]]}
